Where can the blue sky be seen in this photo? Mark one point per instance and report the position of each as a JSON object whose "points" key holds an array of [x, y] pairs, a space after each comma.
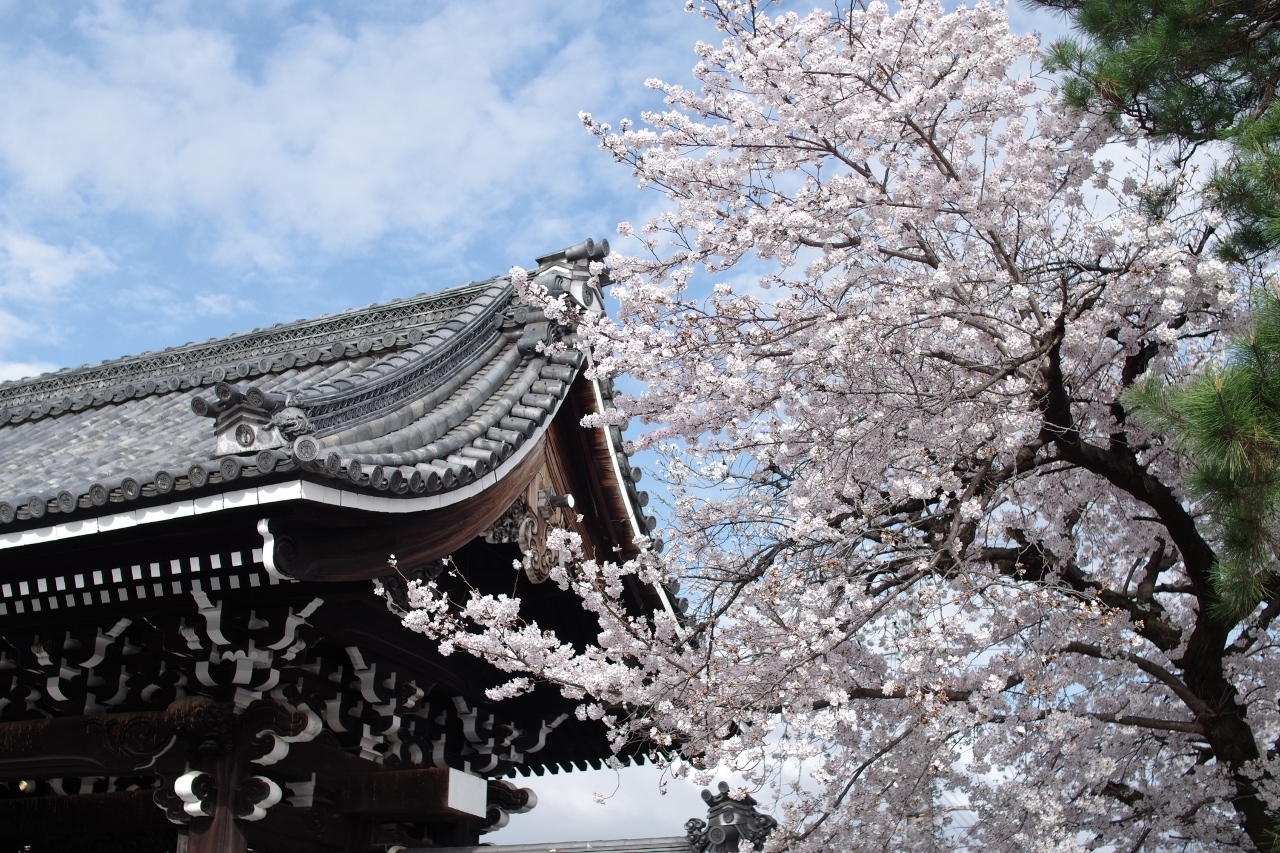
{"points": [[173, 171]]}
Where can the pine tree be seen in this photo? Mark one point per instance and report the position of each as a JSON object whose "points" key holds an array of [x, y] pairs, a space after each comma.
{"points": [[1227, 423], [1194, 72]]}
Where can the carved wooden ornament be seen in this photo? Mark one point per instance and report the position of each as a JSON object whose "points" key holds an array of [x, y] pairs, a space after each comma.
{"points": [[527, 521]]}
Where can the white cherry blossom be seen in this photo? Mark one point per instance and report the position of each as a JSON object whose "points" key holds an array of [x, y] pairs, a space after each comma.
{"points": [[930, 558]]}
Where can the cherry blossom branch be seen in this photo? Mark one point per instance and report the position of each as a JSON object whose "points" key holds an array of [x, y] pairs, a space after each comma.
{"points": [[854, 776], [1197, 706]]}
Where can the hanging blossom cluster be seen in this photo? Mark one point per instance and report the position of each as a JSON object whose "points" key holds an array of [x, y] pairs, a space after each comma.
{"points": [[944, 593]]}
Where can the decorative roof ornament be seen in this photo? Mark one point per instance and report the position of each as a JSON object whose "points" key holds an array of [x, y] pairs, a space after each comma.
{"points": [[249, 420], [729, 821], [527, 521]]}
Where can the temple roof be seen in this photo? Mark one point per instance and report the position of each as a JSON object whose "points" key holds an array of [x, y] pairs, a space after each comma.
{"points": [[420, 396]]}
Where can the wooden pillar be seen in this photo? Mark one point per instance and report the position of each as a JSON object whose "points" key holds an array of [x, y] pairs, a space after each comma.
{"points": [[219, 833]]}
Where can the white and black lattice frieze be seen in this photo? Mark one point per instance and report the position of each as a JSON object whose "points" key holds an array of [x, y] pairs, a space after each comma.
{"points": [[53, 588]]}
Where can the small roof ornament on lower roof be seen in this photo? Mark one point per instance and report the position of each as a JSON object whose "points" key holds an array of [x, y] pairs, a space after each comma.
{"points": [[729, 821]]}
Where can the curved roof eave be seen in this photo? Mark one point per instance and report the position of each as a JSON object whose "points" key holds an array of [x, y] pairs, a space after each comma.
{"points": [[428, 413]]}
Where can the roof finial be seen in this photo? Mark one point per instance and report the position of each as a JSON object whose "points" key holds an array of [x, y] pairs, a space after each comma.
{"points": [[728, 822]]}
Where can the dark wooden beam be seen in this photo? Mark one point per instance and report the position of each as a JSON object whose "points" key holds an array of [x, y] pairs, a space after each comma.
{"points": [[315, 551], [107, 745], [286, 829], [220, 833], [323, 759], [31, 818], [411, 795]]}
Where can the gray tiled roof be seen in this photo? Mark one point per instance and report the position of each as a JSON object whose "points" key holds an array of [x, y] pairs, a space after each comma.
{"points": [[419, 395]]}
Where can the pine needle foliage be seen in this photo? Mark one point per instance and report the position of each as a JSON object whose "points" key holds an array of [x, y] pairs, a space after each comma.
{"points": [[1192, 71], [1226, 422]]}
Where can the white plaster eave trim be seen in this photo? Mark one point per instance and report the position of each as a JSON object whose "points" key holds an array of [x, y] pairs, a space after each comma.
{"points": [[640, 533]]}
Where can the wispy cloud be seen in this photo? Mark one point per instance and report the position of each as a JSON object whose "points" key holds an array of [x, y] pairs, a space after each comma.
{"points": [[14, 332], [33, 270], [300, 157], [10, 370], [219, 304], [341, 136]]}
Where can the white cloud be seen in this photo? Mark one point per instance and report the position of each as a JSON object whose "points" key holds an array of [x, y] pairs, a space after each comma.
{"points": [[33, 270], [222, 166], [10, 370], [338, 138], [36, 280], [16, 330], [219, 304]]}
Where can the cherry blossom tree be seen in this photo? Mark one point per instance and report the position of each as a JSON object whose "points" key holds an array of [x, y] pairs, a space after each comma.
{"points": [[932, 562]]}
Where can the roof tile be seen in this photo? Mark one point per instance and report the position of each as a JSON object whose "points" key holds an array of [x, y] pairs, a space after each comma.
{"points": [[438, 381]]}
